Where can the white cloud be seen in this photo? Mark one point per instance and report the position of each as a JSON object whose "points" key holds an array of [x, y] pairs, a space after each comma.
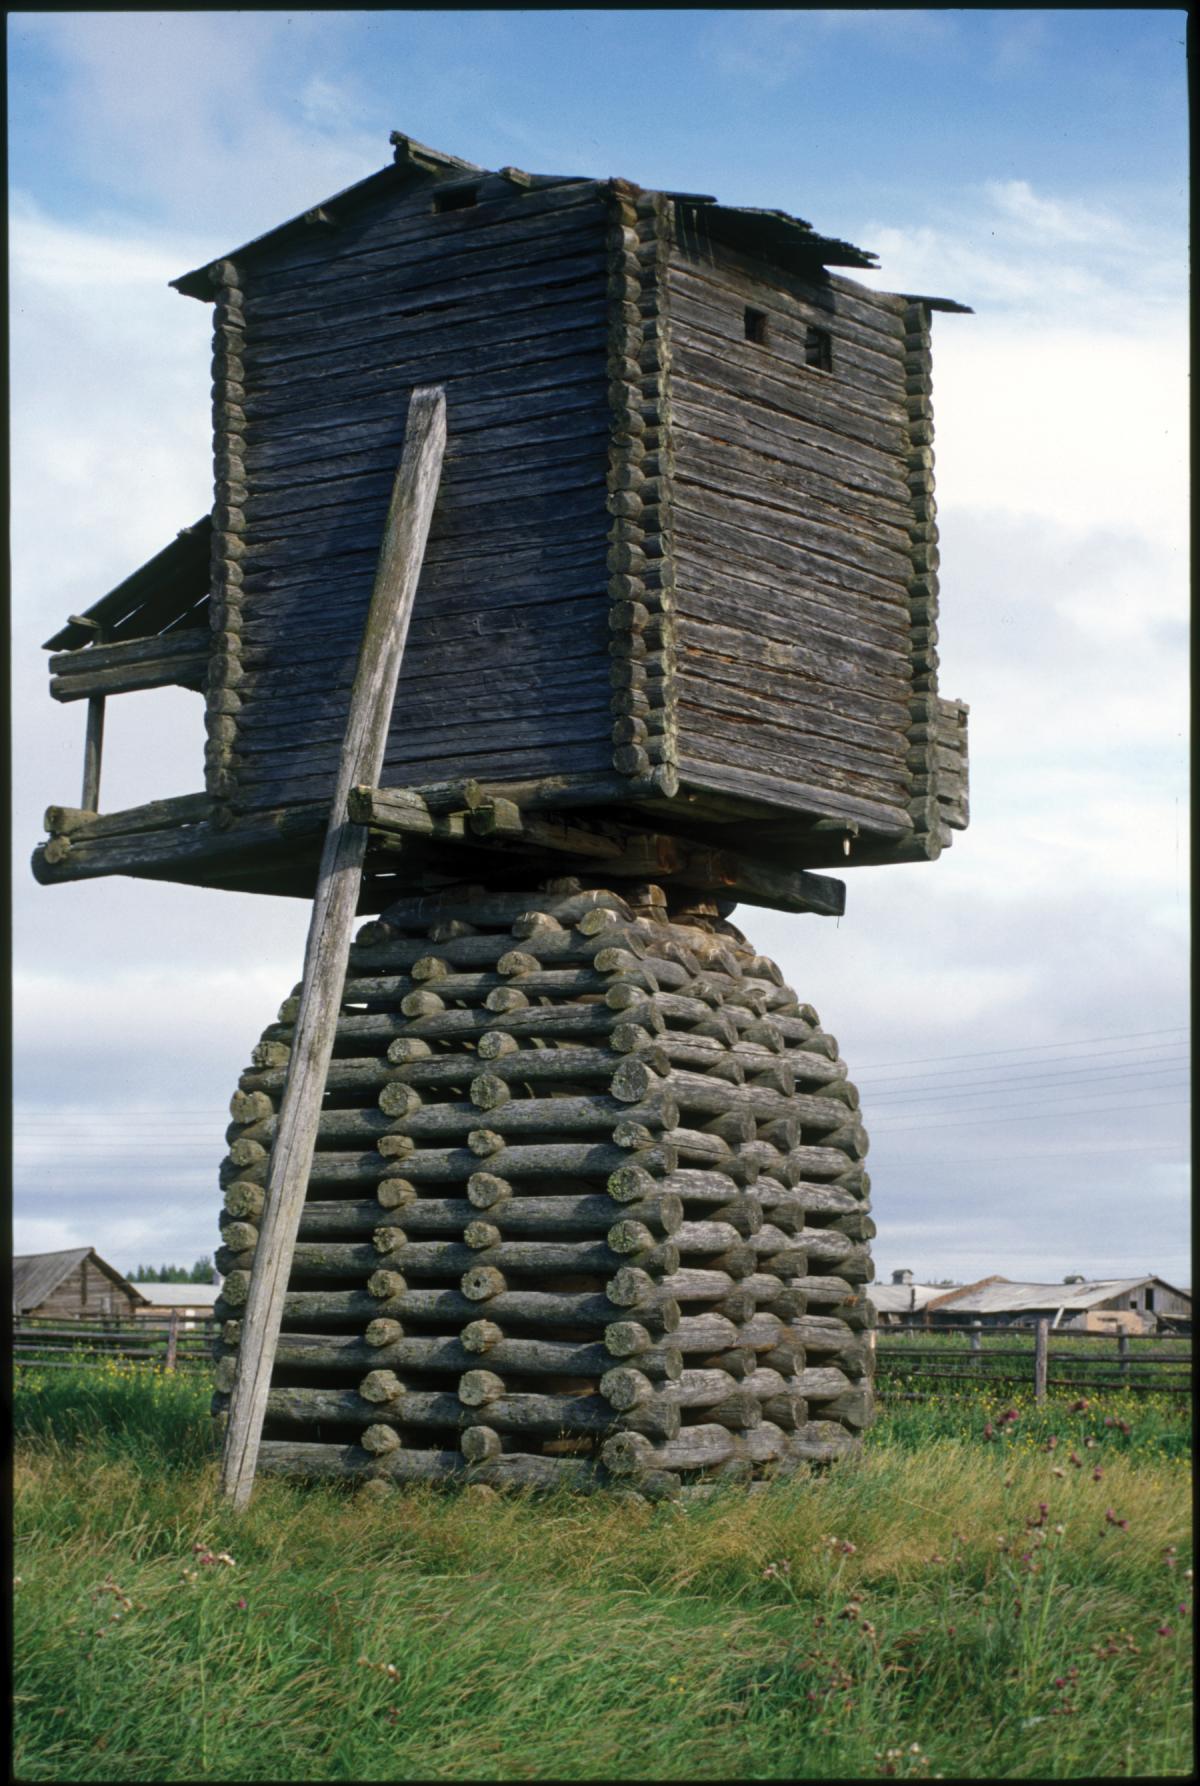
{"points": [[189, 111], [1056, 221]]}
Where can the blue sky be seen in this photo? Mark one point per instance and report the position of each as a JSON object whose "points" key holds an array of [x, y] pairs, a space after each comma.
{"points": [[1015, 1015]]}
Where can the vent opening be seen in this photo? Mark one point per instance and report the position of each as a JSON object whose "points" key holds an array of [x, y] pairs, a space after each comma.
{"points": [[818, 349], [756, 326], [458, 198]]}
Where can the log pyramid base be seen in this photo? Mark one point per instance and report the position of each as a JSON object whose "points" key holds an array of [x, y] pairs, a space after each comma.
{"points": [[588, 1208]]}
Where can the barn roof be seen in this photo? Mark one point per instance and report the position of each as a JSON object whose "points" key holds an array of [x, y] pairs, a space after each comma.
{"points": [[38, 1275], [774, 235], [1006, 1298]]}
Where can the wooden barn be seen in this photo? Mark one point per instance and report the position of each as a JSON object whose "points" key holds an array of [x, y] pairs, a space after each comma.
{"points": [[682, 575], [549, 1178], [76, 1283]]}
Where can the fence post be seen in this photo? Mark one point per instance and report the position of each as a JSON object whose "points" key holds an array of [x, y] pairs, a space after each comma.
{"points": [[1040, 1349], [172, 1339], [977, 1338], [1123, 1355]]}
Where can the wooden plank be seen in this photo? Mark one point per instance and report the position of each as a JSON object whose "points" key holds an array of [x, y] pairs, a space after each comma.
{"points": [[494, 764], [700, 412], [156, 815], [870, 404], [815, 717], [454, 354], [185, 642], [339, 880], [560, 465], [776, 560], [742, 600], [487, 424], [419, 232], [840, 528], [498, 524], [752, 521], [879, 314], [547, 432], [776, 749], [846, 432], [512, 306], [716, 298], [182, 671], [768, 645], [753, 782]]}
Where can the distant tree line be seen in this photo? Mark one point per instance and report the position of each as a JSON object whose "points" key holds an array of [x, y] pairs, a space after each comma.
{"points": [[200, 1273]]}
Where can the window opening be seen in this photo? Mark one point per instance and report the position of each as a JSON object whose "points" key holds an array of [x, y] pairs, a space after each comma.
{"points": [[756, 326], [818, 349]]}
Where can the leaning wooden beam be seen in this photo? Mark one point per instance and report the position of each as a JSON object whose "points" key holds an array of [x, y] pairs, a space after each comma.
{"points": [[327, 953]]}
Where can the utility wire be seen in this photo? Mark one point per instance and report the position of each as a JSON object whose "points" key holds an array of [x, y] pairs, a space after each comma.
{"points": [[1033, 1048]]}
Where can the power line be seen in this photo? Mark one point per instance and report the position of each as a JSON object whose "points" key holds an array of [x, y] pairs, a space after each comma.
{"points": [[1021, 1087], [1034, 1048], [1018, 1070], [976, 1122]]}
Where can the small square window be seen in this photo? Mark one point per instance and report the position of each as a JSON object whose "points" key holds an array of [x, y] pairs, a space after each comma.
{"points": [[818, 349], [756, 326], [459, 198]]}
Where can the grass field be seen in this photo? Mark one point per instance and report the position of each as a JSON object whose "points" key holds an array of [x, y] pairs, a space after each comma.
{"points": [[946, 1605]]}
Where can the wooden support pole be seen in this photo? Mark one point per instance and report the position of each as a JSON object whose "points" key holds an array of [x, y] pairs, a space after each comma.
{"points": [[172, 1339], [326, 956], [1040, 1350], [93, 742]]}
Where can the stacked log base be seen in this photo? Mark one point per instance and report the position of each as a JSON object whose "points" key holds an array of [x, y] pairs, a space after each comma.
{"points": [[588, 1208]]}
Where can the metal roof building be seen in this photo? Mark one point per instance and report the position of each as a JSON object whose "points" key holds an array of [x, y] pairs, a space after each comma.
{"points": [[1138, 1303]]}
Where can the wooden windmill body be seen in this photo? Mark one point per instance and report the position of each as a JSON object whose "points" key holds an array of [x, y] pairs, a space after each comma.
{"points": [[672, 647]]}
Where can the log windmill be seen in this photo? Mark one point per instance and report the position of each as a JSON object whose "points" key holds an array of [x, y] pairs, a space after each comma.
{"points": [[547, 1178]]}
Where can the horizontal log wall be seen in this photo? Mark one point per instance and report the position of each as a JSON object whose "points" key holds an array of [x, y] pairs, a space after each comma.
{"points": [[507, 668], [588, 1195], [791, 526]]}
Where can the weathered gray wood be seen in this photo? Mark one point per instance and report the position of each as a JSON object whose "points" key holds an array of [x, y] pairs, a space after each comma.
{"points": [[93, 743], [329, 936], [84, 824], [182, 642]]}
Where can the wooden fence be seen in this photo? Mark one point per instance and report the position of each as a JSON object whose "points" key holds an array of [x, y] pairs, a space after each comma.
{"points": [[167, 1340], [969, 1353]]}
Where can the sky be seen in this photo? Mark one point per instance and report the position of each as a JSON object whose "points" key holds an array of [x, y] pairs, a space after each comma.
{"points": [[1015, 1014]]}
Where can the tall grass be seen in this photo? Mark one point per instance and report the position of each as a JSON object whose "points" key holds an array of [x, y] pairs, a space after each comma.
{"points": [[955, 1607]]}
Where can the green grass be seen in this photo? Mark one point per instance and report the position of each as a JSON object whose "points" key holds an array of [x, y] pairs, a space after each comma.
{"points": [[942, 1590]]}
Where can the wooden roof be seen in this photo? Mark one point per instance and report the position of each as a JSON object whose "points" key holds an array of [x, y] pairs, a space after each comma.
{"points": [[38, 1275], [772, 235], [169, 591]]}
